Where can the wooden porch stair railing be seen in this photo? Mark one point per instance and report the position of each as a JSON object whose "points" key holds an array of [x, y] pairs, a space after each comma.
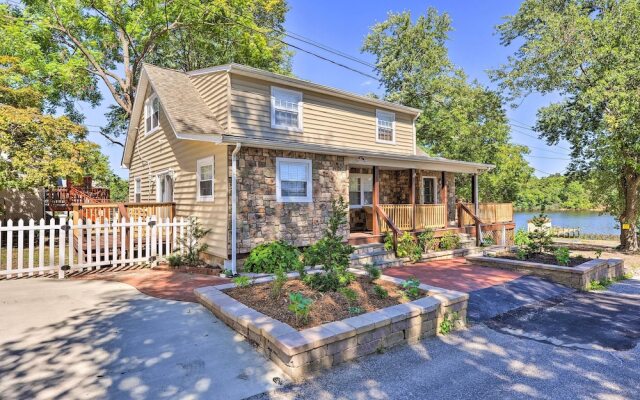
{"points": [[464, 210]]}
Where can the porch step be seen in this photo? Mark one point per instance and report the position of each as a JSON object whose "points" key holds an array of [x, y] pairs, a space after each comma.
{"points": [[374, 254]]}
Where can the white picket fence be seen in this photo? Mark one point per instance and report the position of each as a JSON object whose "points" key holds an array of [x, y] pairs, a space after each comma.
{"points": [[37, 248]]}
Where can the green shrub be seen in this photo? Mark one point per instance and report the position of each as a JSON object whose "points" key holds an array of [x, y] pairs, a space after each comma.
{"points": [[388, 241], [562, 256], [191, 242], [227, 272], [521, 238], [408, 247], [300, 306], [280, 278], [487, 241], [242, 281], [349, 294], [268, 257], [522, 253], [332, 252], [598, 253], [427, 240], [539, 238], [449, 241], [355, 310], [449, 322], [174, 260], [411, 288], [381, 292], [373, 272]]}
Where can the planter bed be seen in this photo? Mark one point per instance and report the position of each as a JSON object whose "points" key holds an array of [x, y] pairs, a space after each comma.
{"points": [[544, 258], [578, 277], [300, 353], [327, 307]]}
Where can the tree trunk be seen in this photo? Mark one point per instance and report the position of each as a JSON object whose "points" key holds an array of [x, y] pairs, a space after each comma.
{"points": [[629, 217]]}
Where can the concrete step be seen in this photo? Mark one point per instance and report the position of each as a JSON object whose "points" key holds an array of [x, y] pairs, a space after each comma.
{"points": [[367, 248]]}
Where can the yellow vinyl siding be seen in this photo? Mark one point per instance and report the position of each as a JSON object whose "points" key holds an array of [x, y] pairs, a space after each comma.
{"points": [[213, 89], [327, 120], [161, 151]]}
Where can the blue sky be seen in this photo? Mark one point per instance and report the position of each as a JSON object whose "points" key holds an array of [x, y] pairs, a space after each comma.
{"points": [[473, 45]]}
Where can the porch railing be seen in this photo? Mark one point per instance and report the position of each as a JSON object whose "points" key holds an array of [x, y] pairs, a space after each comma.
{"points": [[117, 211], [490, 213], [426, 216]]}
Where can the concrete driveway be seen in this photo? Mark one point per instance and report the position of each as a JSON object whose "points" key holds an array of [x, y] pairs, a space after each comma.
{"points": [[77, 339]]}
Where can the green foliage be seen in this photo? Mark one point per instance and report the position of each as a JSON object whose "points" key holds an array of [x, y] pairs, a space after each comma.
{"points": [[539, 236], [388, 241], [408, 247], [522, 253], [349, 294], [449, 241], [332, 252], [604, 283], [461, 119], [487, 241], [242, 281], [448, 323], [355, 310], [174, 260], [426, 240], [300, 306], [227, 272], [373, 272], [192, 243], [280, 278], [562, 255], [269, 257], [522, 237], [588, 51], [381, 292], [76, 46], [598, 253], [411, 288], [558, 192]]}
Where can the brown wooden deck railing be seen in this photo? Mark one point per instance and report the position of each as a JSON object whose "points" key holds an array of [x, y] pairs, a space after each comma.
{"points": [[117, 211], [490, 213], [62, 198], [387, 224], [426, 216]]}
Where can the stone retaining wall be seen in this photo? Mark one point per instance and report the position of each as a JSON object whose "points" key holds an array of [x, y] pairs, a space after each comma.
{"points": [[301, 353], [578, 277]]}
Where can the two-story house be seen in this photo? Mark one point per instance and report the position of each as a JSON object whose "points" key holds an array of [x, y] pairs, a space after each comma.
{"points": [[258, 156]]}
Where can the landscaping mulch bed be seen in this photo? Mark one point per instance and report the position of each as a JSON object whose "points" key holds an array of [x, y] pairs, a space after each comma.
{"points": [[326, 307], [546, 258]]}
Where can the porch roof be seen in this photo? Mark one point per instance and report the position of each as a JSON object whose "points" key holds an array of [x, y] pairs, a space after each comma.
{"points": [[368, 158]]}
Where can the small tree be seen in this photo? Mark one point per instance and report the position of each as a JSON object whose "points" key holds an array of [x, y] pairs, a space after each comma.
{"points": [[191, 243], [331, 252], [539, 237]]}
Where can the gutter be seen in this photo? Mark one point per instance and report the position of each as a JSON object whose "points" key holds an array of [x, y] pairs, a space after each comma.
{"points": [[234, 211]]}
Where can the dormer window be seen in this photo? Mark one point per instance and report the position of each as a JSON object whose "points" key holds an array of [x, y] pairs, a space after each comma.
{"points": [[286, 109], [151, 114], [385, 127]]}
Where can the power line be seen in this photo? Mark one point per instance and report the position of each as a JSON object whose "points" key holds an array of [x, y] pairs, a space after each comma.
{"points": [[539, 148], [547, 158]]}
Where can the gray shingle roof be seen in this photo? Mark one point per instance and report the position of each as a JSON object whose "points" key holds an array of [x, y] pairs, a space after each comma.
{"points": [[181, 102]]}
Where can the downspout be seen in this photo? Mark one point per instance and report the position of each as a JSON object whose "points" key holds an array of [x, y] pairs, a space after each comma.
{"points": [[234, 174]]}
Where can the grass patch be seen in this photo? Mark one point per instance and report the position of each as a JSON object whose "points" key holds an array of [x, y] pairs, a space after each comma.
{"points": [[604, 283]]}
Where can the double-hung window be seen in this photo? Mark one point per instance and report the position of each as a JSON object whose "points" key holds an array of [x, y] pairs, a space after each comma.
{"points": [[293, 180], [286, 109], [429, 190], [137, 190], [151, 113], [205, 179], [360, 190], [385, 127]]}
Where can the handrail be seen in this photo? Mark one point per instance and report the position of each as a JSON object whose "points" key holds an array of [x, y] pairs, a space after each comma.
{"points": [[471, 214], [478, 221], [379, 211]]}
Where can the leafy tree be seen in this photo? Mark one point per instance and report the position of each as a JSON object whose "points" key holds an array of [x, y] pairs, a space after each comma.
{"points": [[37, 148], [78, 44], [460, 119], [588, 51]]}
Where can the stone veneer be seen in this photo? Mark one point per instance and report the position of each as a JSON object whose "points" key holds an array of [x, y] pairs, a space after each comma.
{"points": [[262, 219], [301, 353], [578, 277]]}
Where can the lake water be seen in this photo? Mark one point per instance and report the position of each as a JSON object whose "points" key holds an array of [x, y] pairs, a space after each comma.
{"points": [[587, 221]]}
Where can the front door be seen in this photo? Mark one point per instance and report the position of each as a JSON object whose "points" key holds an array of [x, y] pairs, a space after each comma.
{"points": [[428, 190], [164, 188]]}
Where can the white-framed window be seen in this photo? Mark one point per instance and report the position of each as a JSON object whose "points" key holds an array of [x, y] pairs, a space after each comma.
{"points": [[293, 180], [151, 114], [286, 109], [360, 190], [205, 179], [137, 190], [164, 187], [429, 190], [385, 127]]}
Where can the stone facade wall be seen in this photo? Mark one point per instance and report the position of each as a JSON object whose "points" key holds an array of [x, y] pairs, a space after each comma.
{"points": [[261, 218]]}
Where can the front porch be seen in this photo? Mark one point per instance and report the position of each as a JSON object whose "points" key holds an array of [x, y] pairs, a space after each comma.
{"points": [[414, 200]]}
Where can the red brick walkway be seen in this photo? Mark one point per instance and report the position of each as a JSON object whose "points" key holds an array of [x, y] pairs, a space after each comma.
{"points": [[162, 284], [455, 274]]}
